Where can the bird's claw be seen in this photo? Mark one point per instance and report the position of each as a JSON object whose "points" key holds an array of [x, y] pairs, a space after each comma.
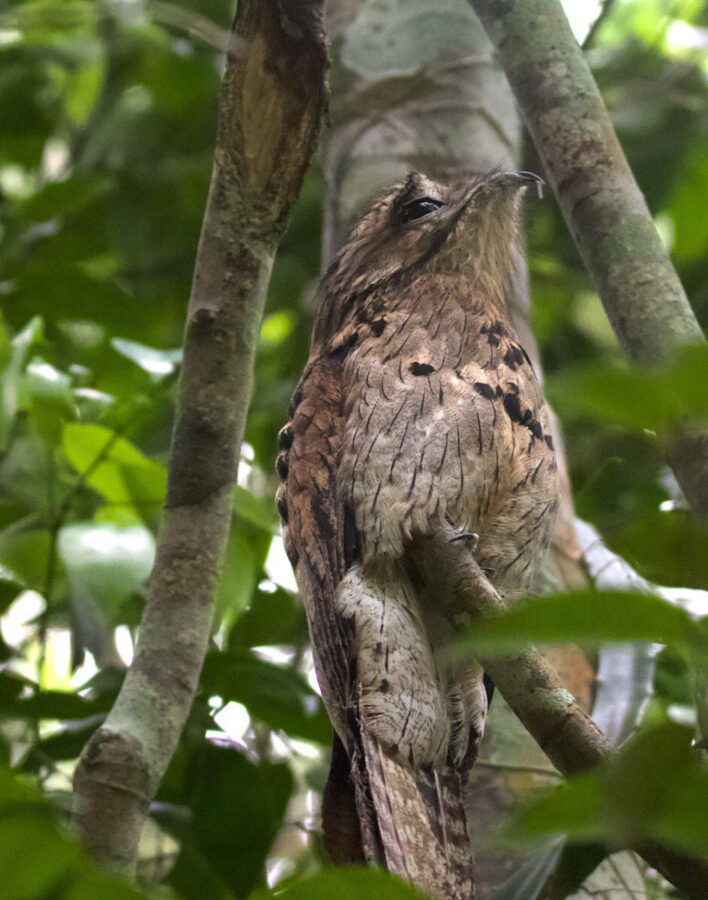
{"points": [[471, 538]]}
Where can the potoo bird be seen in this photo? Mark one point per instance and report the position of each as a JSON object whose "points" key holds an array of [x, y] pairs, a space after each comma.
{"points": [[418, 407]]}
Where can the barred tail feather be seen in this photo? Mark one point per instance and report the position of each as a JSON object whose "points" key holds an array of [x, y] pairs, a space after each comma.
{"points": [[422, 824]]}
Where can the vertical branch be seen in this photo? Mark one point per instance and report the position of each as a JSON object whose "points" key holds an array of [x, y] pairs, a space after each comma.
{"points": [[602, 204], [272, 103]]}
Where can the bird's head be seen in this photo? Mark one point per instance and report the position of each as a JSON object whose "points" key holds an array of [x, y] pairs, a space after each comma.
{"points": [[468, 228]]}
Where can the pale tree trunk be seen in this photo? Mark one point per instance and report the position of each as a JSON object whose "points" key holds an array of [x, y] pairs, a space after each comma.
{"points": [[602, 203], [272, 102], [417, 86]]}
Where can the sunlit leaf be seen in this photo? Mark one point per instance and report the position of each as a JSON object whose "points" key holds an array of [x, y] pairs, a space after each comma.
{"points": [[157, 363], [343, 884], [47, 396], [276, 695], [114, 467], [21, 347], [104, 563]]}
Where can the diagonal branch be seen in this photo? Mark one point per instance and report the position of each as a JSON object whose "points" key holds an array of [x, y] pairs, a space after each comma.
{"points": [[533, 690], [272, 103], [602, 204]]}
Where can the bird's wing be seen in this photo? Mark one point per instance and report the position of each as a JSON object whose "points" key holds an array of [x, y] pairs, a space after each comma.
{"points": [[409, 819]]}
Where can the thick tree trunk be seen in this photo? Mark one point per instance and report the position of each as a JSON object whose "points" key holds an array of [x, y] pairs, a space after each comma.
{"points": [[272, 103]]}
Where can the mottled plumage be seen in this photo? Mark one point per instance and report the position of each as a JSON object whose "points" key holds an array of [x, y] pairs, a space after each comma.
{"points": [[417, 405]]}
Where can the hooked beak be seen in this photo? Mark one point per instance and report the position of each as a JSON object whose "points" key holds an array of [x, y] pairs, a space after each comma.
{"points": [[521, 179], [515, 181]]}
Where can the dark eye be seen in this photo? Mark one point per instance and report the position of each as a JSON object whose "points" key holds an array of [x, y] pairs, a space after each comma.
{"points": [[416, 209]]}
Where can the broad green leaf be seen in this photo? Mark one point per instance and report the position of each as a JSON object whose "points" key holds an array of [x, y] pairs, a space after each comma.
{"points": [[654, 790], [11, 584], [342, 884], [574, 809], [104, 563], [259, 511], [47, 396], [27, 553], [115, 467], [667, 547], [637, 398], [21, 699], [9, 401], [59, 198], [585, 616], [157, 363], [688, 210], [239, 573], [60, 869], [238, 808], [278, 696], [272, 618], [624, 396]]}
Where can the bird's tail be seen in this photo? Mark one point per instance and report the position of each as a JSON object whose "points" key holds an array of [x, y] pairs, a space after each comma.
{"points": [[421, 823]]}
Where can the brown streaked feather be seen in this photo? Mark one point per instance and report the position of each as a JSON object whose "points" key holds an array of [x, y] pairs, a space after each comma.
{"points": [[418, 407]]}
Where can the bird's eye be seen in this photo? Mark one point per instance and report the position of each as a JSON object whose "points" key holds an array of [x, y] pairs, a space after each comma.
{"points": [[416, 209]]}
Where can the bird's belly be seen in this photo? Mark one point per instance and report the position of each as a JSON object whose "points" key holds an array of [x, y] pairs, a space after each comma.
{"points": [[443, 447]]}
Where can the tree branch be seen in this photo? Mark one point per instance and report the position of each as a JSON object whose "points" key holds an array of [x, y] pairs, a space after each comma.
{"points": [[567, 735], [602, 204], [272, 103]]}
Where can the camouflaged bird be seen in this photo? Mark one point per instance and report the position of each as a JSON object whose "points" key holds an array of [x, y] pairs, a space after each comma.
{"points": [[418, 406]]}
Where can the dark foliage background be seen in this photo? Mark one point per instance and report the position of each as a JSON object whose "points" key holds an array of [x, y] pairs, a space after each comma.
{"points": [[107, 122]]}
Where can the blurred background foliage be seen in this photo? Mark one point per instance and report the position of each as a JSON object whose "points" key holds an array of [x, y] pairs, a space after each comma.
{"points": [[107, 122]]}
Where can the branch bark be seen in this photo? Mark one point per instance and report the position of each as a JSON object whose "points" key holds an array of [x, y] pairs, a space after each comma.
{"points": [[272, 104], [567, 735], [602, 204]]}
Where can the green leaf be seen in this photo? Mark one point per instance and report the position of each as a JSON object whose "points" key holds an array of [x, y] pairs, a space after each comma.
{"points": [[104, 563], [115, 467], [238, 808], [47, 396], [10, 586], [637, 398], [344, 883], [259, 511], [26, 554], [278, 696], [574, 809], [21, 699], [585, 616], [9, 400], [273, 618], [240, 571], [688, 210], [667, 547], [60, 869], [59, 198], [624, 802], [157, 363]]}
